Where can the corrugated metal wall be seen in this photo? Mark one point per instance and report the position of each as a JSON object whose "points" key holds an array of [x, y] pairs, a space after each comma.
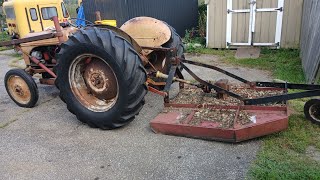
{"points": [[265, 23], [181, 14], [310, 40]]}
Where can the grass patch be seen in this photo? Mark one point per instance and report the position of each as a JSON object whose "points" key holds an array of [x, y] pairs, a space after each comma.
{"points": [[4, 48], [282, 155], [284, 64], [226, 54], [4, 37]]}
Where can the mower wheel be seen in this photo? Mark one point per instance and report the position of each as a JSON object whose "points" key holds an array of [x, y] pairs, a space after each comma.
{"points": [[101, 78], [312, 111], [21, 88]]}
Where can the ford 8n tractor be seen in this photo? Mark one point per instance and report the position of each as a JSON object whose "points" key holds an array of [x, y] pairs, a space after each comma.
{"points": [[101, 71]]}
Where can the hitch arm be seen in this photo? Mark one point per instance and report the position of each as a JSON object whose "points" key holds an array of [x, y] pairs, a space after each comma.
{"points": [[288, 85], [209, 85], [279, 98], [217, 69]]}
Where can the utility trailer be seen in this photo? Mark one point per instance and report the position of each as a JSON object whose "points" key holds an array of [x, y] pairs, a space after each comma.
{"points": [[104, 72]]}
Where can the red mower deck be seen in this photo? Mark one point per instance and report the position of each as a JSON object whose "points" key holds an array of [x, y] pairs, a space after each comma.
{"points": [[184, 120]]}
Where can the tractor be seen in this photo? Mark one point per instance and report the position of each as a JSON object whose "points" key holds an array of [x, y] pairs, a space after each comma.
{"points": [[101, 71]]}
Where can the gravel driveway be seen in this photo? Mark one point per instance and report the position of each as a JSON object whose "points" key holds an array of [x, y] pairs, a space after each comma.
{"points": [[48, 142]]}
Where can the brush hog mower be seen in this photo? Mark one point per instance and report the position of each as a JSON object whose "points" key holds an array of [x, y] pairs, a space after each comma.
{"points": [[104, 72]]}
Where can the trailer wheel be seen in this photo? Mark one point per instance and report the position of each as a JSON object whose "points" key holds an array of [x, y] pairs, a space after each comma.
{"points": [[101, 78], [312, 110], [21, 88]]}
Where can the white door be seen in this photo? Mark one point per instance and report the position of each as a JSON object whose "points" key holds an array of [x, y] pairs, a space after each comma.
{"points": [[254, 23]]}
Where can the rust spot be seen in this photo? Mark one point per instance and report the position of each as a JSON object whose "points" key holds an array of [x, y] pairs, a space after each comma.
{"points": [[19, 89], [94, 84]]}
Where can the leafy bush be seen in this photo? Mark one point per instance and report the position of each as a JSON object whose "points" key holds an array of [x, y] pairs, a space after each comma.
{"points": [[197, 35]]}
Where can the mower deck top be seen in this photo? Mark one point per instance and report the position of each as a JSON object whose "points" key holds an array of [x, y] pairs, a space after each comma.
{"points": [[200, 115]]}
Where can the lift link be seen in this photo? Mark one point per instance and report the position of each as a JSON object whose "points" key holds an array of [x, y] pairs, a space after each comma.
{"points": [[164, 76]]}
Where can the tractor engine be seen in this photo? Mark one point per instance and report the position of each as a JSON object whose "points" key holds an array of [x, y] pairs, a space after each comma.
{"points": [[46, 55]]}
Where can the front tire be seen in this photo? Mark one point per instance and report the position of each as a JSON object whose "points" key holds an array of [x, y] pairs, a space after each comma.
{"points": [[21, 88], [101, 78]]}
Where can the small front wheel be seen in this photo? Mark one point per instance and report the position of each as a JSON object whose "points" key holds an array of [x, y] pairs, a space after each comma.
{"points": [[312, 110], [21, 88]]}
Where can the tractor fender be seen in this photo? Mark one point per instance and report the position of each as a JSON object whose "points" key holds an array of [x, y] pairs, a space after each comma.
{"points": [[123, 34], [147, 31]]}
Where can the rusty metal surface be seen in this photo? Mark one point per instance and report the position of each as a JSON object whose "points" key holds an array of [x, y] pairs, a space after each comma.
{"points": [[152, 82], [224, 84], [208, 85], [100, 79], [173, 121], [49, 41], [47, 81], [267, 122], [59, 34], [167, 124], [92, 88], [154, 90], [19, 89], [36, 61], [156, 48], [46, 35], [147, 32]]}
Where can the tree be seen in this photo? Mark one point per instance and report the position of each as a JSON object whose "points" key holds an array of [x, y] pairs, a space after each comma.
{"points": [[2, 16]]}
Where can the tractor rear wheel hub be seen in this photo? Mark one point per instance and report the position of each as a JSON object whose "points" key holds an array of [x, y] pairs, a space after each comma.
{"points": [[100, 80]]}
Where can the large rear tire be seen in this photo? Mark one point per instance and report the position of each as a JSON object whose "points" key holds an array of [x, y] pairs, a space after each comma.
{"points": [[101, 78], [175, 42]]}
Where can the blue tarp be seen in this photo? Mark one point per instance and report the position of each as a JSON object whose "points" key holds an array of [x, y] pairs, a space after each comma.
{"points": [[81, 17]]}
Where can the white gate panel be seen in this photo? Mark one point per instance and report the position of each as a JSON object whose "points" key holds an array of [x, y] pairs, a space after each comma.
{"points": [[252, 24]]}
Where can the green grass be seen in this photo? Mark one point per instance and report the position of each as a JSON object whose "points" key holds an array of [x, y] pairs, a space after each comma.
{"points": [[282, 155], [4, 37], [284, 64], [225, 54]]}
